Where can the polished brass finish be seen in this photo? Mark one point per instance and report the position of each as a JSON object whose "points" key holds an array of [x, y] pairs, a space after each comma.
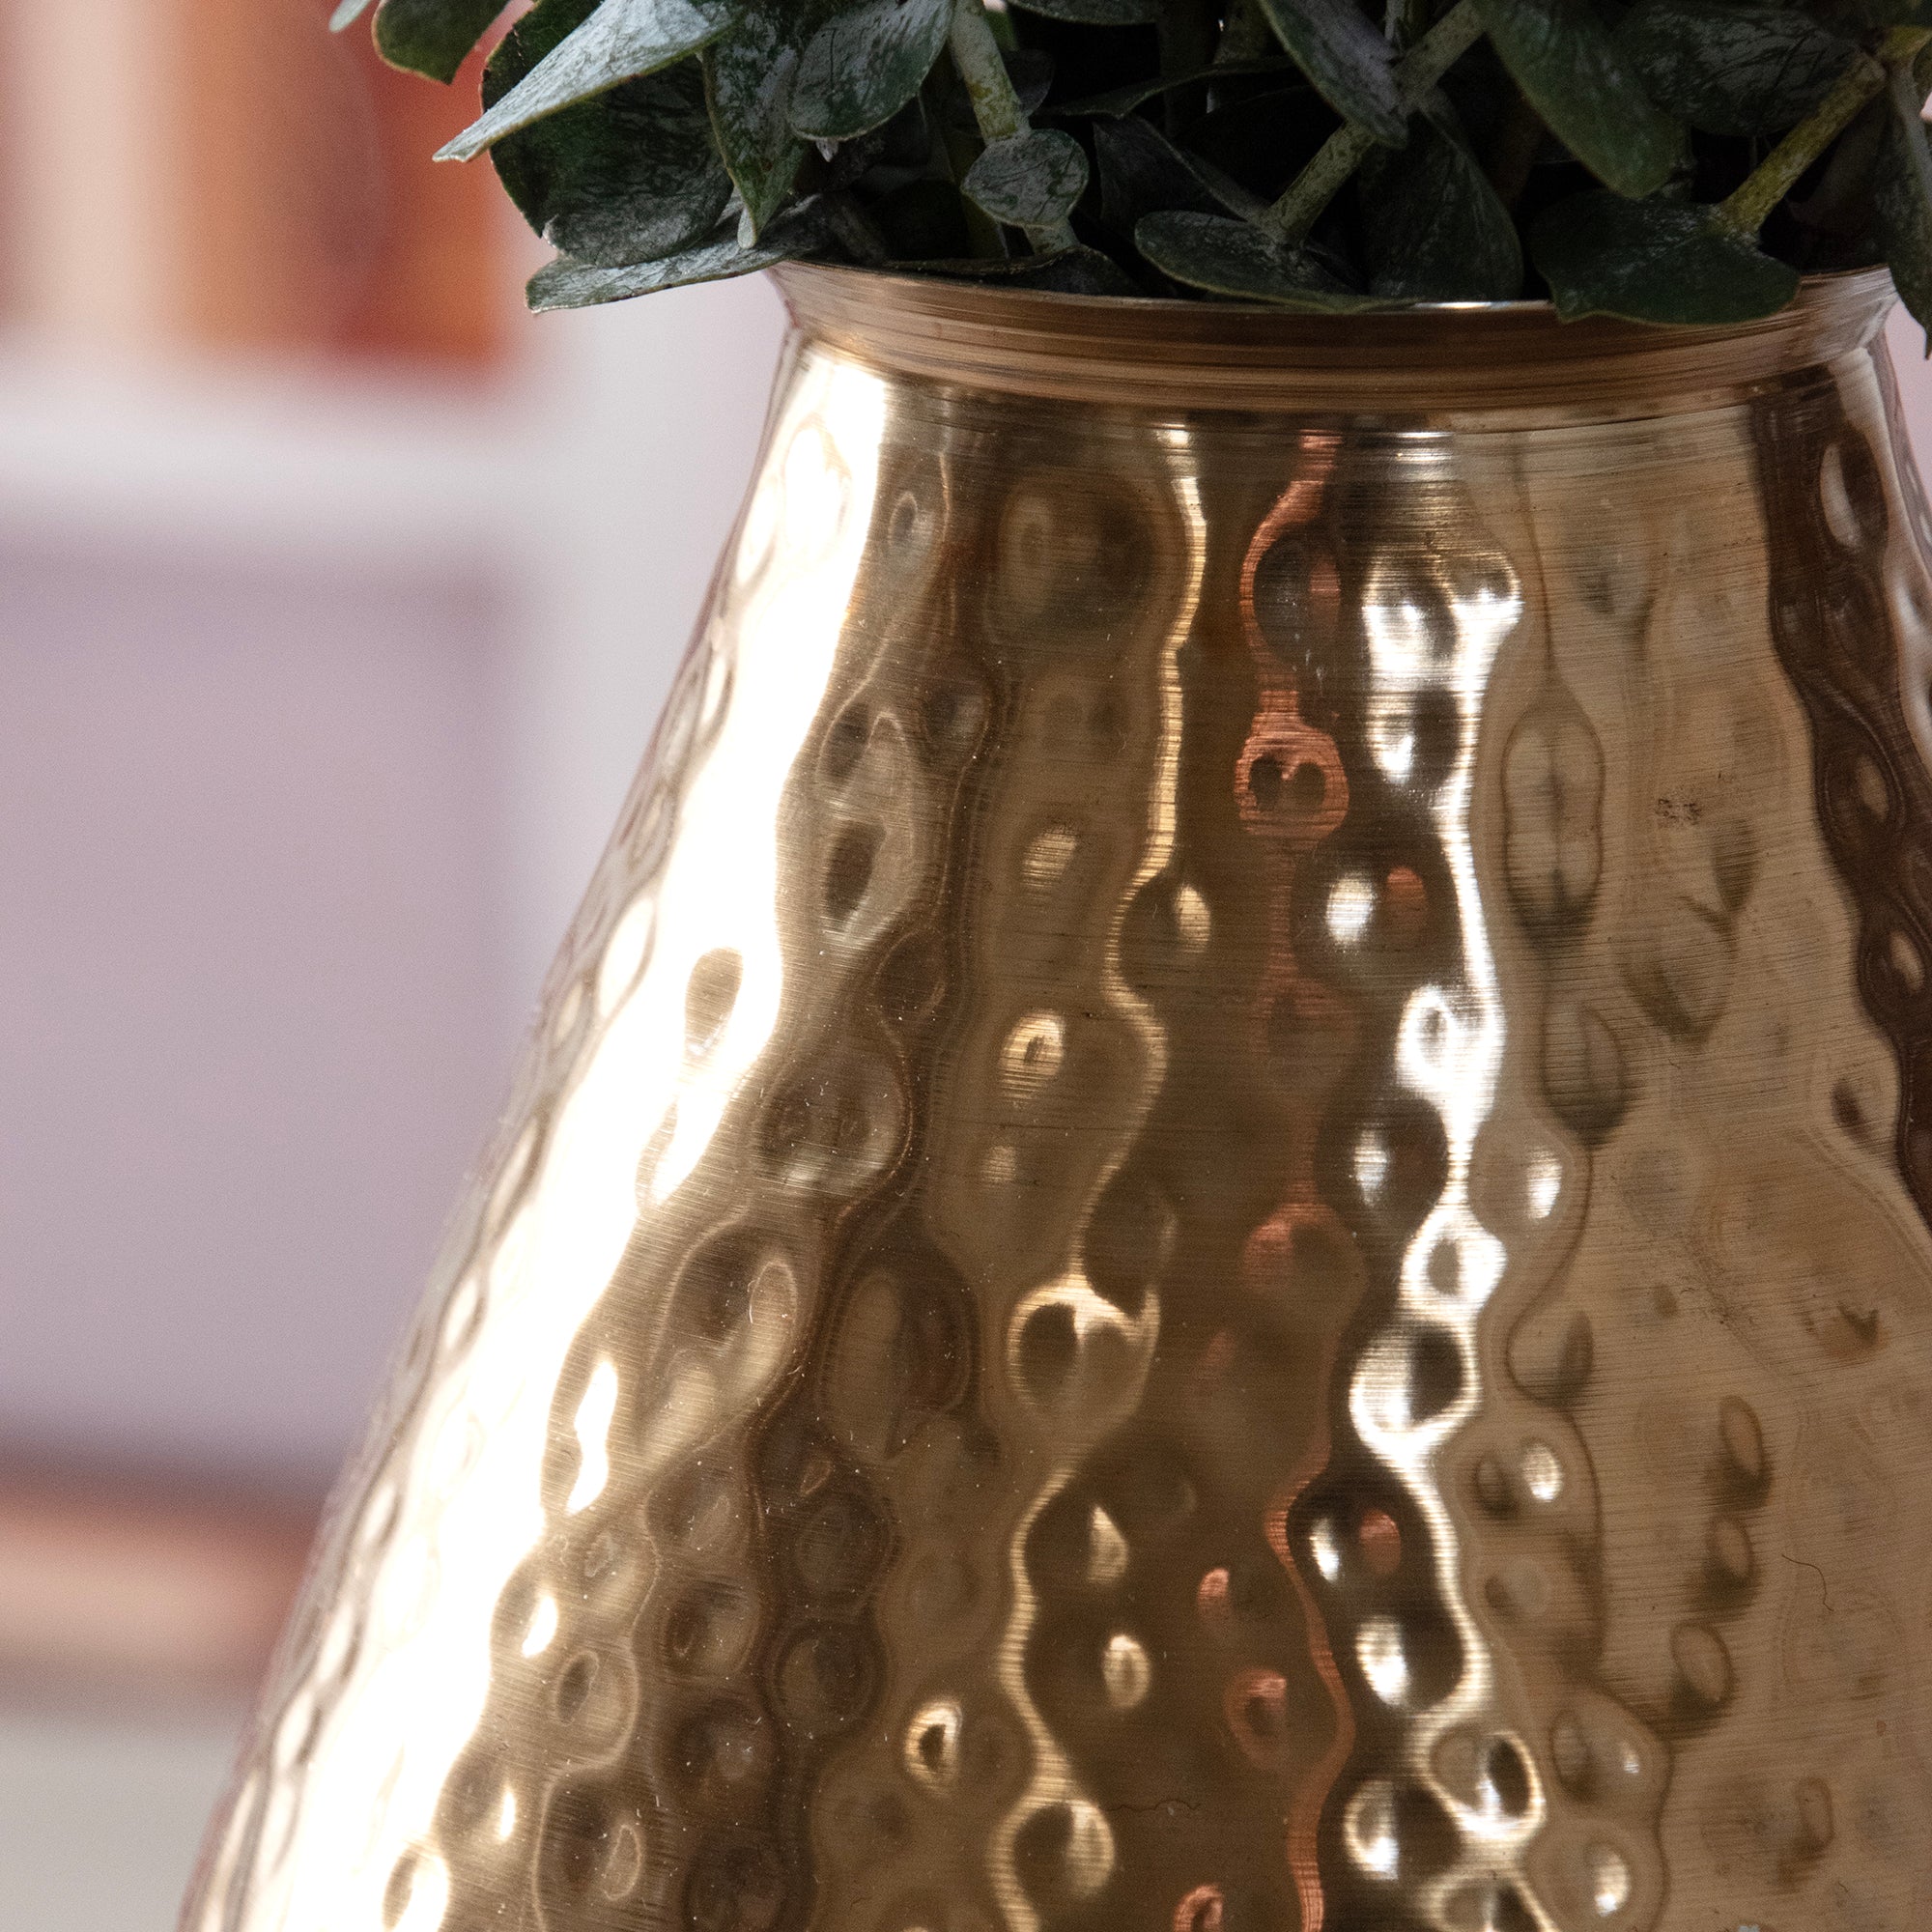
{"points": [[1495, 361], [1218, 1222]]}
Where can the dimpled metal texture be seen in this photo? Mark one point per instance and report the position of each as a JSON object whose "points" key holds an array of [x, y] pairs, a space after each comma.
{"points": [[1218, 1222]]}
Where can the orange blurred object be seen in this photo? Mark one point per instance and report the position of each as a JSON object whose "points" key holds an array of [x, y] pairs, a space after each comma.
{"points": [[128, 1587], [229, 172]]}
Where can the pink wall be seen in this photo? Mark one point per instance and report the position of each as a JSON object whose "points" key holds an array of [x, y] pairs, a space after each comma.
{"points": [[249, 962]]}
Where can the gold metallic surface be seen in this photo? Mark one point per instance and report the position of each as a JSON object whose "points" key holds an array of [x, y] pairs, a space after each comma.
{"points": [[1218, 1221]]}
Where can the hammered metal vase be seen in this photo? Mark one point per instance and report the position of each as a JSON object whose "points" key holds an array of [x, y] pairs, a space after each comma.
{"points": [[1219, 1220]]}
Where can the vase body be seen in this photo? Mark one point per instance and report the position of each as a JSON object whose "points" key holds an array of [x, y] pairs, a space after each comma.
{"points": [[1218, 1221]]}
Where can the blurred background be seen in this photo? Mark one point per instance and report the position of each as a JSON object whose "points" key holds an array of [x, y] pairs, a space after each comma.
{"points": [[337, 599]]}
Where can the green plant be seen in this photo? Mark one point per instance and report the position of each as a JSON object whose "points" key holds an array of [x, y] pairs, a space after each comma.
{"points": [[1669, 161]]}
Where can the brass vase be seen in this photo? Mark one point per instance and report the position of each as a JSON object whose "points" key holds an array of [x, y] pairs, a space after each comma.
{"points": [[1219, 1220]]}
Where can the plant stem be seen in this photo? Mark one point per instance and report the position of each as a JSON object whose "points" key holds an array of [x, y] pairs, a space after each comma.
{"points": [[1346, 150], [996, 107], [1404, 22], [1746, 210], [976, 54], [1245, 35], [953, 151], [1838, 206]]}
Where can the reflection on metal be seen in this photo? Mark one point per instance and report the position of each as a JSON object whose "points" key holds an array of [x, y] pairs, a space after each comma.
{"points": [[1217, 1223]]}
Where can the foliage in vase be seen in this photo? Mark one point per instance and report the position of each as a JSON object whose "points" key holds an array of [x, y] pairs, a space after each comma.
{"points": [[1669, 161]]}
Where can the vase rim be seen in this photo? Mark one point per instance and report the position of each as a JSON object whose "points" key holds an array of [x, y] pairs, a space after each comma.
{"points": [[1426, 358]]}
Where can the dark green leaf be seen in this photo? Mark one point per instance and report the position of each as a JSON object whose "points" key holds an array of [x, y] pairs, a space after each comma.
{"points": [[431, 37], [1234, 258], [907, 138], [748, 76], [568, 284], [858, 71], [1902, 182], [1230, 194], [620, 41], [1732, 66], [1142, 172], [1263, 142], [1123, 100], [1029, 68], [1030, 180], [1837, 212], [1433, 227], [1562, 56], [627, 177], [1078, 271], [547, 25], [1031, 72], [1349, 63], [890, 146], [921, 220], [1097, 12], [1655, 261]]}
